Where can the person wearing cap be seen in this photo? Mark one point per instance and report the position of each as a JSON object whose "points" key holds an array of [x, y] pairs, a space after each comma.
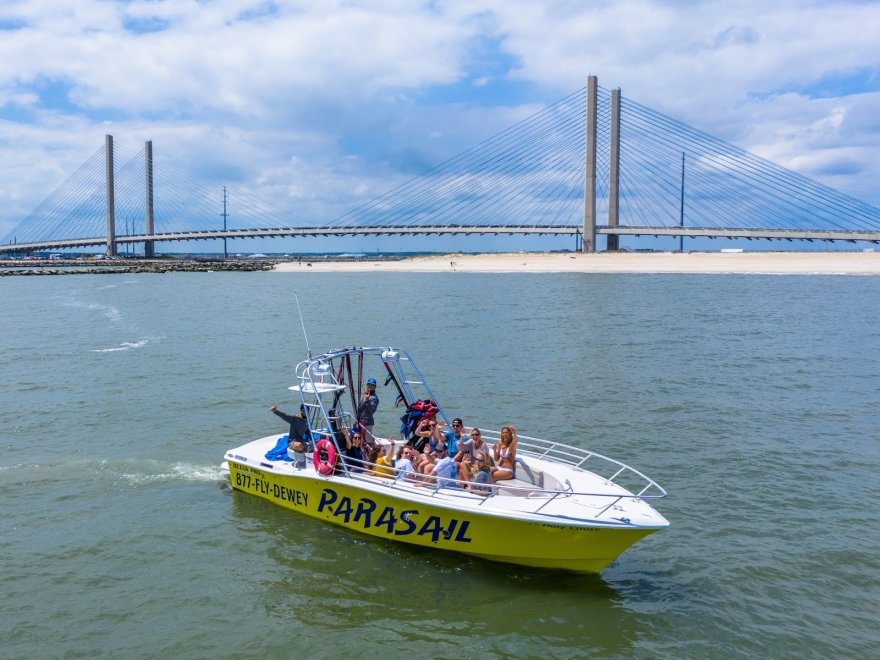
{"points": [[367, 408], [455, 436], [299, 427]]}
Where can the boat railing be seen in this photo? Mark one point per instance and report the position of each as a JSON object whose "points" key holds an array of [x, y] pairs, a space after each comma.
{"points": [[432, 486], [611, 470], [317, 380], [528, 447]]}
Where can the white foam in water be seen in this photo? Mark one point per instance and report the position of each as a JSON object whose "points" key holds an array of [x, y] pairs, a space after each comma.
{"points": [[148, 473], [124, 346], [111, 313], [197, 472]]}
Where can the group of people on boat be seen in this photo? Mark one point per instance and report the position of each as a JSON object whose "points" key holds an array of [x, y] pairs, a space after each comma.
{"points": [[454, 458], [472, 465], [465, 448]]}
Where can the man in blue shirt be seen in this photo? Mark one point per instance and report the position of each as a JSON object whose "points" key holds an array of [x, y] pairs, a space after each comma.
{"points": [[454, 436]]}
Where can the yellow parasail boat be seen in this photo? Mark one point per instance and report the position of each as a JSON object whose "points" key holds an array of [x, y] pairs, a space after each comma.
{"points": [[565, 507]]}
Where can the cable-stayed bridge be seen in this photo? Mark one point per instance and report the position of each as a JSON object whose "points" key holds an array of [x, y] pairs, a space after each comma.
{"points": [[591, 164]]}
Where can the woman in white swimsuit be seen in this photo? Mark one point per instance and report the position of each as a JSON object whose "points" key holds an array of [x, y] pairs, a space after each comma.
{"points": [[505, 455]]}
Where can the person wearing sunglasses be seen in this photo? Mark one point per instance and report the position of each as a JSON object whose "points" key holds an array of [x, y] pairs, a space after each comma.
{"points": [[444, 471], [466, 458], [423, 436], [453, 437], [403, 465], [481, 484], [354, 452]]}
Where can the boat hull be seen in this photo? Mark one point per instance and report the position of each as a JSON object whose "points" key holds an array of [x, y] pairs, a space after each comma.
{"points": [[341, 501]]}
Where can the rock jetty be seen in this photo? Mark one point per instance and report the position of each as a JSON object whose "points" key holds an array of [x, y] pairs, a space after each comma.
{"points": [[9, 267]]}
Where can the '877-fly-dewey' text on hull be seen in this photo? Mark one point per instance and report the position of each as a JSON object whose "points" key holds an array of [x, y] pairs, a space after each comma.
{"points": [[566, 507]]}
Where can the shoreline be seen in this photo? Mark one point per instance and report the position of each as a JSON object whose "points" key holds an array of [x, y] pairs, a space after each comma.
{"points": [[766, 263], [782, 263]]}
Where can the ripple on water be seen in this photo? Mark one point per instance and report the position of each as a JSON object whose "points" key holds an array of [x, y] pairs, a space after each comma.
{"points": [[752, 400]]}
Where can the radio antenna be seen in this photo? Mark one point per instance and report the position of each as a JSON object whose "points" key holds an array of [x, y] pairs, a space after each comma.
{"points": [[303, 323]]}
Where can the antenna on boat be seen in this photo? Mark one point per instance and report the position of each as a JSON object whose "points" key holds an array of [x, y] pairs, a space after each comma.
{"points": [[303, 323]]}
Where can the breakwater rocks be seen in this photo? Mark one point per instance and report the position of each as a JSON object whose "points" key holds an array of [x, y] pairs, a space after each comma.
{"points": [[103, 267]]}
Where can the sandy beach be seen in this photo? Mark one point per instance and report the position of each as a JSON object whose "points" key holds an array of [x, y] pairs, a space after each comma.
{"points": [[830, 263]]}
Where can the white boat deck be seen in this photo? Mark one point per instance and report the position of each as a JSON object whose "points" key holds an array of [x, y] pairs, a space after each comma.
{"points": [[546, 490]]}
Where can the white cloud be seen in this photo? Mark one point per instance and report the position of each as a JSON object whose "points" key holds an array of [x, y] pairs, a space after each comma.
{"points": [[331, 103]]}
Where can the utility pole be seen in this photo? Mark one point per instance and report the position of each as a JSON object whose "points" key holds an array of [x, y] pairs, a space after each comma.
{"points": [[681, 209]]}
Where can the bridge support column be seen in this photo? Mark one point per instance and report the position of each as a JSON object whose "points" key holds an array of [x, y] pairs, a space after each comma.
{"points": [[614, 171], [111, 197], [149, 248], [589, 243]]}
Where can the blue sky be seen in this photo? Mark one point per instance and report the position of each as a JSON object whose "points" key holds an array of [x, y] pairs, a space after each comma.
{"points": [[326, 105]]}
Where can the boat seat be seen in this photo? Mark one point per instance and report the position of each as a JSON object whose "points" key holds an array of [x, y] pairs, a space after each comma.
{"points": [[515, 487], [534, 477]]}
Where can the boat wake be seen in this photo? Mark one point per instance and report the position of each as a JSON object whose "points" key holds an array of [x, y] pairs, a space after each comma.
{"points": [[126, 475], [133, 475], [115, 316]]}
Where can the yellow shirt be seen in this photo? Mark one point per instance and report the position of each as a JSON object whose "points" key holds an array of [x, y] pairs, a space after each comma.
{"points": [[384, 466]]}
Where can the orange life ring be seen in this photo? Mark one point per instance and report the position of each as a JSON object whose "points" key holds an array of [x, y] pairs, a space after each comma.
{"points": [[324, 456]]}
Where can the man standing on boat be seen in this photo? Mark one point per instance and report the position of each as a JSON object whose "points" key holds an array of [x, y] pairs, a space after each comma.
{"points": [[367, 408]]}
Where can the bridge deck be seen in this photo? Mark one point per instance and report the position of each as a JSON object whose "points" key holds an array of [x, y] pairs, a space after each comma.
{"points": [[275, 232]]}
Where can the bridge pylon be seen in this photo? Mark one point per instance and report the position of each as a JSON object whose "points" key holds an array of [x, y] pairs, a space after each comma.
{"points": [[111, 197], [613, 240], [149, 246], [589, 241]]}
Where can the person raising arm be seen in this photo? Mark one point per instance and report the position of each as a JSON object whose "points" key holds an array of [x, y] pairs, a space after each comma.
{"points": [[505, 454]]}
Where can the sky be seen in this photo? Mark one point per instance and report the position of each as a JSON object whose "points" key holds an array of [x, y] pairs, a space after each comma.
{"points": [[325, 105]]}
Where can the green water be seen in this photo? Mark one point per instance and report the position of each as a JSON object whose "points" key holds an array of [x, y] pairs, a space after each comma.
{"points": [[752, 399]]}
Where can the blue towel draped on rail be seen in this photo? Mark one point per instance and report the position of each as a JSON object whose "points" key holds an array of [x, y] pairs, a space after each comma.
{"points": [[279, 452]]}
